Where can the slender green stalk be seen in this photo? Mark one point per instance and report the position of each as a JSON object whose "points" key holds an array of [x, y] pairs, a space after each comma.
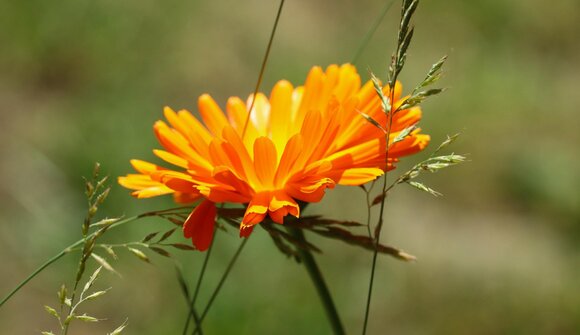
{"points": [[35, 273], [397, 63], [197, 288], [78, 243], [372, 31], [65, 251], [186, 295], [318, 281], [379, 227], [263, 68], [219, 286]]}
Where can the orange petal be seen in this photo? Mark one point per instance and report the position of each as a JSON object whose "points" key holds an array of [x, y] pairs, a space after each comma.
{"points": [[260, 114], [235, 141], [171, 158], [144, 186], [282, 205], [288, 160], [237, 114], [245, 231], [198, 135], [310, 189], [212, 115], [405, 118], [312, 88], [200, 224], [265, 161], [144, 167], [280, 113], [257, 209], [175, 143], [359, 176], [217, 194], [185, 198], [175, 121], [225, 176], [349, 82]]}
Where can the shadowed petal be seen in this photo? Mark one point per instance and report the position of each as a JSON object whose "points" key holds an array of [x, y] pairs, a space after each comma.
{"points": [[200, 224]]}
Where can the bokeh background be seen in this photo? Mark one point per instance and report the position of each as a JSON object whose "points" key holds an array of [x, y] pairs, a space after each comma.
{"points": [[84, 80]]}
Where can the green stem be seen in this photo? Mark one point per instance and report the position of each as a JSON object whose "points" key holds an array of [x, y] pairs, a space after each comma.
{"points": [[219, 286], [191, 302], [32, 275], [60, 254], [263, 67], [318, 281]]}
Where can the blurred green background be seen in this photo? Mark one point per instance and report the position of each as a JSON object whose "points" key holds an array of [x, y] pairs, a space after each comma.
{"points": [[83, 81]]}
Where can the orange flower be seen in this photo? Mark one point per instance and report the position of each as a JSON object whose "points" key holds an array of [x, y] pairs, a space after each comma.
{"points": [[299, 142]]}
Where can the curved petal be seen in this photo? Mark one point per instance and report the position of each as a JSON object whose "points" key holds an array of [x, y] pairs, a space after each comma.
{"points": [[212, 115], [200, 224], [257, 209], [281, 205], [359, 176]]}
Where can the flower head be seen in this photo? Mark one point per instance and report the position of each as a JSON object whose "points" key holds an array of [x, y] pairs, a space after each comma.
{"points": [[297, 143]]}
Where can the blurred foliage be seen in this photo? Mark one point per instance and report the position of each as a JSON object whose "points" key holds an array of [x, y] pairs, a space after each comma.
{"points": [[83, 81]]}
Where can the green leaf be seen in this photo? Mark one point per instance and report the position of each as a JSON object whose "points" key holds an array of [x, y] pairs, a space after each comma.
{"points": [[424, 188], [105, 222], [110, 251], [166, 235], [316, 220], [175, 221], [102, 182], [362, 241], [448, 141], [372, 121], [409, 8], [385, 104], [419, 97], [404, 46], [183, 246], [51, 311], [404, 133], [62, 294], [96, 170], [378, 199], [92, 279], [96, 295], [149, 237], [139, 254], [119, 329], [103, 262], [103, 196], [86, 318], [160, 251], [432, 76]]}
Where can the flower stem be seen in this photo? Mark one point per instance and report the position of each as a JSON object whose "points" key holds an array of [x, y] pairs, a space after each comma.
{"points": [[318, 281], [59, 255], [32, 275], [219, 286], [192, 300], [263, 67]]}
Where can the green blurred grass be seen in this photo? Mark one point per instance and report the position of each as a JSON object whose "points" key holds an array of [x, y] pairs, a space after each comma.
{"points": [[83, 81]]}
